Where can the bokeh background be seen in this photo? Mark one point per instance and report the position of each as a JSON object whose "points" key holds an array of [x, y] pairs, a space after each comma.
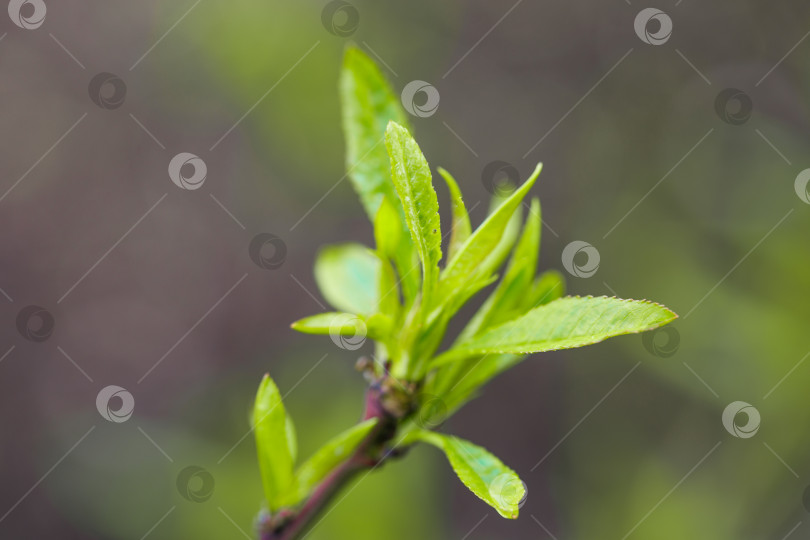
{"points": [[688, 193]]}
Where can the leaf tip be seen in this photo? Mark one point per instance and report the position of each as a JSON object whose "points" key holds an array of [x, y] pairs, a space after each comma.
{"points": [[394, 127], [352, 53], [533, 178]]}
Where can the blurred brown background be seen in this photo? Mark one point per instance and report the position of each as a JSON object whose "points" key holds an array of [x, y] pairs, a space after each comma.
{"points": [[688, 194]]}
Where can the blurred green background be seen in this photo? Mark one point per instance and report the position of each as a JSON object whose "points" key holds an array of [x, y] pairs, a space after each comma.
{"points": [[621, 440]]}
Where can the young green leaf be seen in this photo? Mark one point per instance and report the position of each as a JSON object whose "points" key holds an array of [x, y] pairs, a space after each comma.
{"points": [[563, 324], [387, 228], [348, 277], [546, 288], [331, 322], [482, 278], [275, 451], [356, 327], [394, 243], [436, 324], [292, 439], [461, 220], [523, 265], [483, 474], [368, 104], [324, 461], [506, 299], [388, 290], [481, 243], [476, 373], [410, 173], [501, 251]]}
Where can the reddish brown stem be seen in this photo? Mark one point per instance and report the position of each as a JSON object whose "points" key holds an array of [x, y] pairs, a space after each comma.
{"points": [[370, 454]]}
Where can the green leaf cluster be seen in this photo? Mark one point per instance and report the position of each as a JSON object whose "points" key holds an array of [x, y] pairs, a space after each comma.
{"points": [[403, 293]]}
